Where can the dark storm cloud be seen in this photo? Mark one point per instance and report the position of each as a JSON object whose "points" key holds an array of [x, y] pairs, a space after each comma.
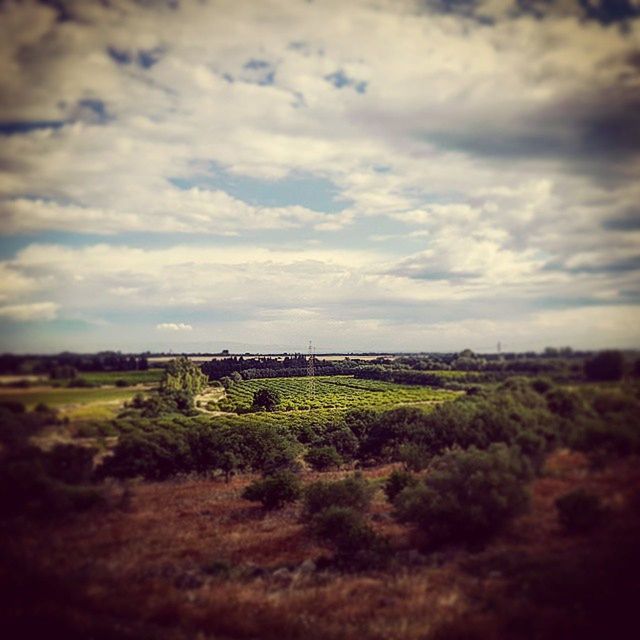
{"points": [[629, 221], [603, 11], [623, 265], [598, 134]]}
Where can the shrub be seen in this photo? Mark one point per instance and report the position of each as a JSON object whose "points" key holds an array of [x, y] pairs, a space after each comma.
{"points": [[397, 482], [265, 399], [579, 511], [468, 496], [274, 491], [348, 534], [323, 458], [343, 440], [415, 457], [353, 492], [27, 489], [563, 403], [121, 382]]}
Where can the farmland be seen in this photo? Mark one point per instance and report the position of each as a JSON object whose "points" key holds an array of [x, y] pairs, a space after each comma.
{"points": [[149, 376], [58, 397], [332, 392]]}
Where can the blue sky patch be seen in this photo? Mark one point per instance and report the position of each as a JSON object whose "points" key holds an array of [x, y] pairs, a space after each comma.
{"points": [[318, 194]]}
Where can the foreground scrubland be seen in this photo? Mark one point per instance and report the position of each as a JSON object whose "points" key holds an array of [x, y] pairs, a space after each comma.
{"points": [[508, 511]]}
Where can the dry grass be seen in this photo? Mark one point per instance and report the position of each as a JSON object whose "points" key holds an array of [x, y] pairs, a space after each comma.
{"points": [[145, 567]]}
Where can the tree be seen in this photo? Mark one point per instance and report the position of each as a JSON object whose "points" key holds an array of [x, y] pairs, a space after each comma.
{"points": [[265, 399], [183, 375], [468, 495], [606, 365]]}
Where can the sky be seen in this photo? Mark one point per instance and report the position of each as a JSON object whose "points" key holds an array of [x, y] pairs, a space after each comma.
{"points": [[372, 175]]}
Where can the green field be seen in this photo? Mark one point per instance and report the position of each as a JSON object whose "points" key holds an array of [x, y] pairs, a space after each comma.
{"points": [[333, 392], [150, 376], [58, 397]]}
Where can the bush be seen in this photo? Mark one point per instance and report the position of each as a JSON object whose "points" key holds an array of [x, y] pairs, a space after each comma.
{"points": [[275, 490], [348, 534], [579, 511], [265, 399], [27, 489], [397, 482], [121, 382], [468, 496], [415, 457], [323, 458], [353, 492]]}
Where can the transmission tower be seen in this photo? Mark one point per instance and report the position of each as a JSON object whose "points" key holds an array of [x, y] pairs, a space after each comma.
{"points": [[311, 370]]}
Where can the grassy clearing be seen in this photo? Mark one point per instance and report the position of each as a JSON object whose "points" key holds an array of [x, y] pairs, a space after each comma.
{"points": [[335, 392], [55, 397]]}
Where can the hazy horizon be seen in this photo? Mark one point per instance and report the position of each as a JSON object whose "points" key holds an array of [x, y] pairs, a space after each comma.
{"points": [[375, 176]]}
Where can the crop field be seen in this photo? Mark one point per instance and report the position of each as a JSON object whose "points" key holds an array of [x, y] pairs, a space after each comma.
{"points": [[150, 376], [333, 392]]}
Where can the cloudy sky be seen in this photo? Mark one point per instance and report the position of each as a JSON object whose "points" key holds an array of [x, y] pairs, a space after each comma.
{"points": [[371, 175]]}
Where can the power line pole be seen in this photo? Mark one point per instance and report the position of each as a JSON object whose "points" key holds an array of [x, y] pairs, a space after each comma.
{"points": [[311, 371]]}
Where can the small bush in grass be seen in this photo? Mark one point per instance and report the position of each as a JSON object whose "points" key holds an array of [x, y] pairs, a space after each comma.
{"points": [[323, 458], [121, 382], [579, 511], [353, 492], [414, 457], [397, 482], [348, 534], [468, 495], [274, 491]]}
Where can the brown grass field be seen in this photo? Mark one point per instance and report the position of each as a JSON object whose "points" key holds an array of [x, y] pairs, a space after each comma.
{"points": [[192, 559]]}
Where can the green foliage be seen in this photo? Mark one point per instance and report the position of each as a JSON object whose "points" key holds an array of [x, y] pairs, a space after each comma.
{"points": [[606, 365], [398, 480], [347, 533], [17, 425], [579, 511], [414, 456], [323, 458], [467, 496], [160, 448], [182, 375], [274, 491], [265, 399], [156, 404], [609, 427], [353, 492], [29, 489]]}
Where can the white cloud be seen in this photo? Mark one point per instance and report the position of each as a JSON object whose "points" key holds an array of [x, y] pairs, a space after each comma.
{"points": [[466, 168], [30, 311], [174, 326]]}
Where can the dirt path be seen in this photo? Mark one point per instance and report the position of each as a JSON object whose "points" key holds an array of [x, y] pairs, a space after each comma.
{"points": [[211, 394]]}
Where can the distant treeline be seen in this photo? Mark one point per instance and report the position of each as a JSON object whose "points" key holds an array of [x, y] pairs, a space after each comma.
{"points": [[420, 370], [46, 365], [267, 367]]}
